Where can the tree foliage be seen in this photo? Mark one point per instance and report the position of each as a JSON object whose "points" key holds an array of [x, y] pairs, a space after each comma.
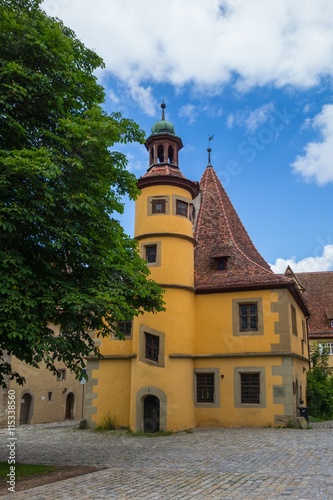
{"points": [[320, 384], [64, 258]]}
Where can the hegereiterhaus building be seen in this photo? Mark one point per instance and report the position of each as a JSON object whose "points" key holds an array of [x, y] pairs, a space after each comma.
{"points": [[231, 348]]}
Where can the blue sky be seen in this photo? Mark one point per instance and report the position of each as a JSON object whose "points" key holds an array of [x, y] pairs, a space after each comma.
{"points": [[256, 75]]}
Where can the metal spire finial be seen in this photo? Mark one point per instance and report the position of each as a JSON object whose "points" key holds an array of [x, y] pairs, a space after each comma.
{"points": [[163, 106], [209, 151]]}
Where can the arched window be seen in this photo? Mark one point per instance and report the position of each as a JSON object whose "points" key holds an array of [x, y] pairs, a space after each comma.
{"points": [[170, 154], [160, 153]]}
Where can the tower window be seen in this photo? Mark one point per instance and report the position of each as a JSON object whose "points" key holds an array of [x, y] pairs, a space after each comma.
{"points": [[158, 206], [125, 327], [152, 346], [151, 253], [181, 208]]}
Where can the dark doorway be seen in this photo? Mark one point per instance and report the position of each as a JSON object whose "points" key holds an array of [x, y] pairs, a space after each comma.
{"points": [[151, 414], [69, 415], [25, 411]]}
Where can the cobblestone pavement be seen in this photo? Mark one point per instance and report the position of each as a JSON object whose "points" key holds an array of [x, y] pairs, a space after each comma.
{"points": [[242, 463]]}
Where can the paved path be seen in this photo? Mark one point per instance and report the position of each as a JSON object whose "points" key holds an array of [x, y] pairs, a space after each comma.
{"points": [[261, 464]]}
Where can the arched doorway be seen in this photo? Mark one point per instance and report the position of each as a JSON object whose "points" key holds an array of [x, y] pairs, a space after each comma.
{"points": [[151, 414], [151, 404], [69, 414], [25, 410]]}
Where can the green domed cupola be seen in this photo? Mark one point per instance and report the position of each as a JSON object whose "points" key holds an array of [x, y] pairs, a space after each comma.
{"points": [[163, 126], [163, 144]]}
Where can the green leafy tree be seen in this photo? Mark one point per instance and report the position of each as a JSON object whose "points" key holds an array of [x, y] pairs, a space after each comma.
{"points": [[320, 384], [64, 258]]}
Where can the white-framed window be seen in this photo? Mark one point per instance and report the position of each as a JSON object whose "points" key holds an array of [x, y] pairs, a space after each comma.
{"points": [[328, 345]]}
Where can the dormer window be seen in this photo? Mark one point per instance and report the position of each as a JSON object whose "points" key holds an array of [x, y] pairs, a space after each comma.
{"points": [[221, 263]]}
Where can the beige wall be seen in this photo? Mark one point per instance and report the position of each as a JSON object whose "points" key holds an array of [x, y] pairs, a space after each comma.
{"points": [[48, 395]]}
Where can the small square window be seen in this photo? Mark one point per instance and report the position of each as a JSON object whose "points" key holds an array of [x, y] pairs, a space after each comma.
{"points": [[248, 317], [61, 375], [250, 388], [152, 346], [158, 206], [205, 387], [151, 253], [125, 327], [182, 208]]}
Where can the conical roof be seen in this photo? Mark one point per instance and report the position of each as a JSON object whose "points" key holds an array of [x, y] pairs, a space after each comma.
{"points": [[219, 232]]}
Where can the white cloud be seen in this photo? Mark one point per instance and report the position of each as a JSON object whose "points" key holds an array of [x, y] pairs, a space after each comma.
{"points": [[188, 111], [251, 120], [316, 163], [308, 264], [206, 43]]}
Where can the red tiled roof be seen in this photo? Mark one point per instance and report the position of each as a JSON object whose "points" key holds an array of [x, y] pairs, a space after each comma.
{"points": [[220, 233], [318, 293], [164, 169]]}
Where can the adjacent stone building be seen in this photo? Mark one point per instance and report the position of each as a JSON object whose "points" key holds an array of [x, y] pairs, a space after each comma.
{"points": [[231, 348], [317, 288], [44, 397]]}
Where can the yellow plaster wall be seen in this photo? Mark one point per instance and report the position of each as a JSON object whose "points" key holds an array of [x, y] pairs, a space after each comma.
{"points": [[177, 324], [214, 319], [156, 223], [116, 346], [229, 416], [113, 390], [177, 261], [176, 381]]}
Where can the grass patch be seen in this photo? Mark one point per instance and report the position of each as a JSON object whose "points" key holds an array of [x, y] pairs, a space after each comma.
{"points": [[150, 434], [316, 419], [25, 470]]}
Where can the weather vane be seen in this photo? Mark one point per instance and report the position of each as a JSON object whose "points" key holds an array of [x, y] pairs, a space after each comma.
{"points": [[210, 138]]}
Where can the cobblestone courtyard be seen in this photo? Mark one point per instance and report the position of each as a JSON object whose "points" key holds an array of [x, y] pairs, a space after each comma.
{"points": [[264, 464]]}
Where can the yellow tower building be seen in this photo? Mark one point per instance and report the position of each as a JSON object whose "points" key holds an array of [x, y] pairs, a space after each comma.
{"points": [[231, 347]]}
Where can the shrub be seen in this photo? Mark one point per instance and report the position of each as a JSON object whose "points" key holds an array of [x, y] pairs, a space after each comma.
{"points": [[320, 385], [108, 423]]}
